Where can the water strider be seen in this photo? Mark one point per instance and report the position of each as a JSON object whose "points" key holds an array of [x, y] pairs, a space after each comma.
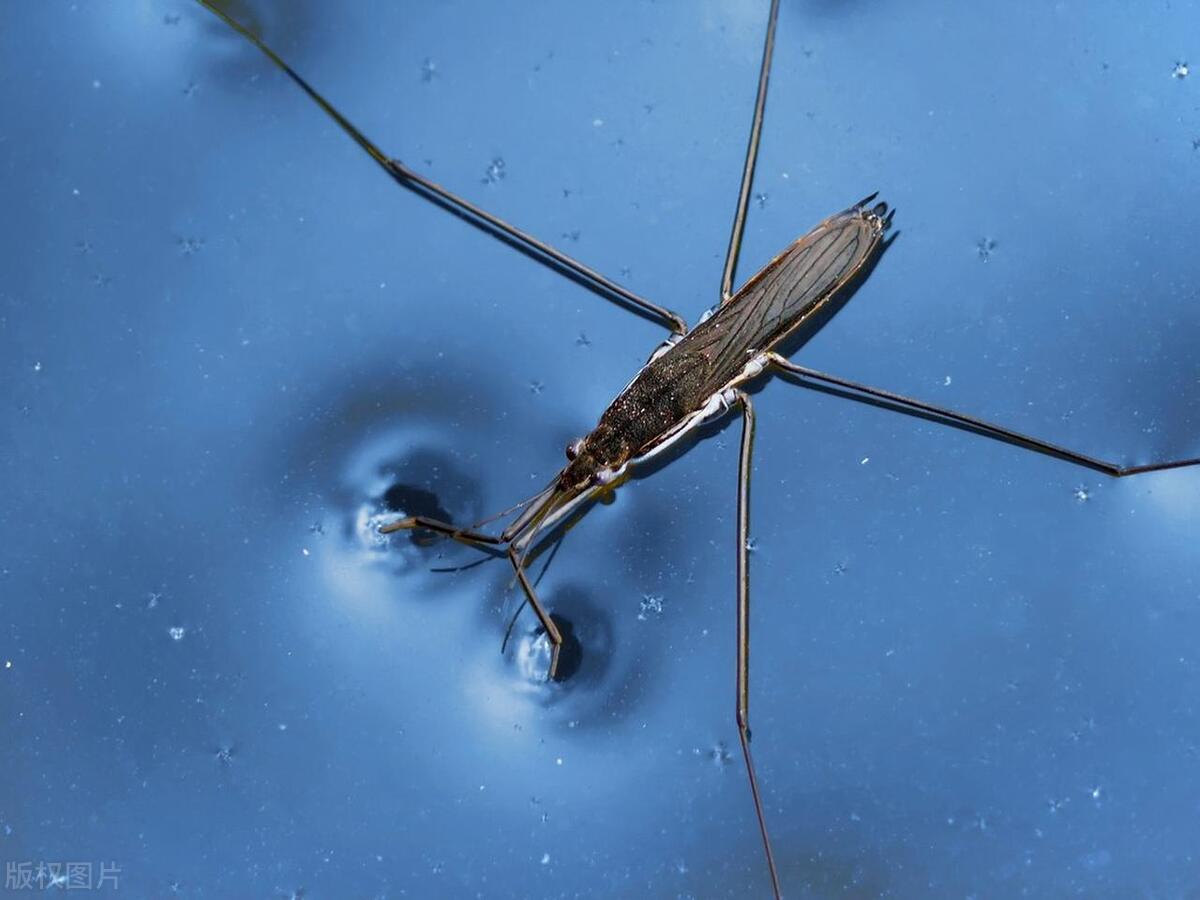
{"points": [[697, 375]]}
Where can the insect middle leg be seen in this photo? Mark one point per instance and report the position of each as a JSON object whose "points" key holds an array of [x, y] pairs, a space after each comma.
{"points": [[742, 714]]}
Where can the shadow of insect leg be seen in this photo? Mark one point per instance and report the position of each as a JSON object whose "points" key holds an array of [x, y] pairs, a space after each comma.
{"points": [[462, 535]]}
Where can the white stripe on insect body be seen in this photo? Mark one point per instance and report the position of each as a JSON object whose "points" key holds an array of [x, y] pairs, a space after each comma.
{"points": [[664, 347], [676, 338], [714, 407]]}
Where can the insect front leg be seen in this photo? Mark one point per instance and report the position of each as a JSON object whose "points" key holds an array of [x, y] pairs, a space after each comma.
{"points": [[462, 535], [552, 632], [743, 622]]}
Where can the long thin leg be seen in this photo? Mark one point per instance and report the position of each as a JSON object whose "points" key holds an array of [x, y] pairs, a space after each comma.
{"points": [[464, 535], [743, 623], [552, 632], [879, 397], [430, 190], [512, 623], [760, 104], [467, 535]]}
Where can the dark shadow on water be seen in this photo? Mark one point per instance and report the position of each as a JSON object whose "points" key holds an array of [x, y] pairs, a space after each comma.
{"points": [[604, 665], [833, 9], [589, 642], [292, 26], [409, 500], [571, 656]]}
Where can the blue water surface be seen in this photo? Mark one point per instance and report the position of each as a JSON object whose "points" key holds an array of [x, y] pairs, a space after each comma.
{"points": [[230, 346]]}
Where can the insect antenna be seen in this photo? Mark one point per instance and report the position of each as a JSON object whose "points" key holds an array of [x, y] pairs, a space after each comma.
{"points": [[521, 504]]}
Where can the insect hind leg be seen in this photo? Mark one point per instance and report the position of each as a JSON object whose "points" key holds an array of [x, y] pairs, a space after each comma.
{"points": [[743, 624], [852, 390]]}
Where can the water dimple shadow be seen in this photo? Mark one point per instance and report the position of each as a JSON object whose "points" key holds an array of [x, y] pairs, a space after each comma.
{"points": [[603, 667], [292, 25]]}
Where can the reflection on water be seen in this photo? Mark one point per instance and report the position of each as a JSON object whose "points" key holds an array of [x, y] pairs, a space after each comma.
{"points": [[405, 500]]}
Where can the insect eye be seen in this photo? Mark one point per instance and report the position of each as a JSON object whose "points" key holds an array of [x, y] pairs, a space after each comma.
{"points": [[574, 447]]}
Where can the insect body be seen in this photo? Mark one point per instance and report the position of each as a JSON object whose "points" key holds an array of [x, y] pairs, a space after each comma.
{"points": [[696, 376], [679, 388], [693, 378]]}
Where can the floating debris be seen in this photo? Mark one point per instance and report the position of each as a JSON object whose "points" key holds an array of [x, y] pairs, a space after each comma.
{"points": [[494, 173], [651, 605]]}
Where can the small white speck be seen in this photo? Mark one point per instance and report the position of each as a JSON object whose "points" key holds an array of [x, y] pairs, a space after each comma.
{"points": [[75, 191], [8, 664], [1096, 792], [1082, 494], [864, 460], [545, 859], [282, 726], [37, 367], [96, 83], [176, 633], [1181, 70], [596, 123], [304, 550], [558, 761], [946, 381]]}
